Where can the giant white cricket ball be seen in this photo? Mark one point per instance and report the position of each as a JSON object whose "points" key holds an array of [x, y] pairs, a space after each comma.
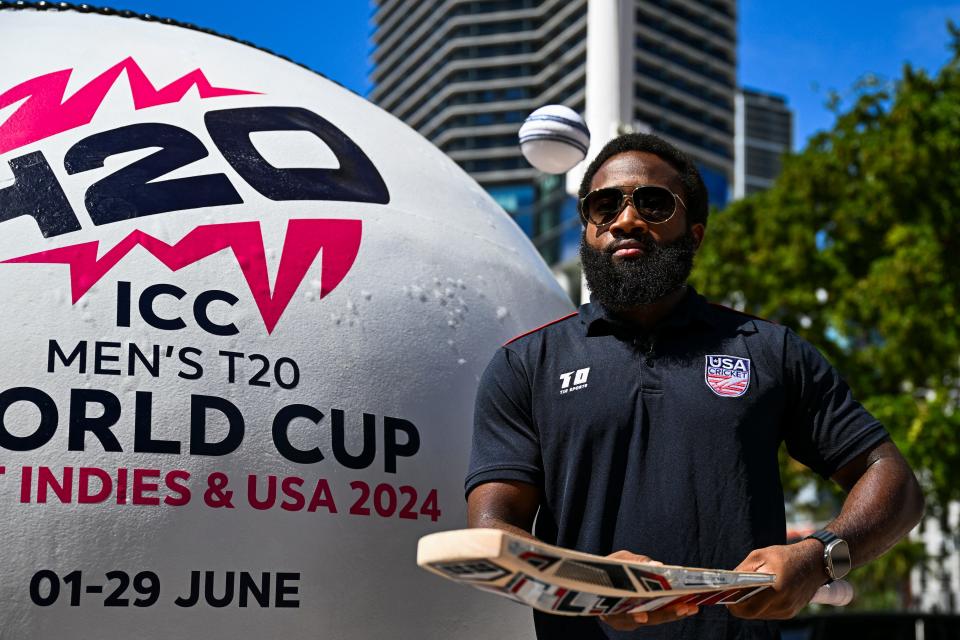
{"points": [[244, 315], [554, 138]]}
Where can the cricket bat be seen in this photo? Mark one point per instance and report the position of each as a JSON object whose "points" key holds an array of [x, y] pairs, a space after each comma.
{"points": [[572, 583]]}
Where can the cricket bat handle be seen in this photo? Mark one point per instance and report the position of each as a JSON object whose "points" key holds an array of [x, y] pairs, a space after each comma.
{"points": [[838, 594]]}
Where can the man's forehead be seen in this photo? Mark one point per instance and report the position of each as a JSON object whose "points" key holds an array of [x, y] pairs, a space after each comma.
{"points": [[634, 167]]}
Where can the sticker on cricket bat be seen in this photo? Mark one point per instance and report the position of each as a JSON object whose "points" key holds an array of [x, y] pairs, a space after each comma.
{"points": [[572, 583], [481, 570]]}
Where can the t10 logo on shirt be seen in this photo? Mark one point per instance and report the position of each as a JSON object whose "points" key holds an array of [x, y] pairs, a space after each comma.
{"points": [[574, 380]]}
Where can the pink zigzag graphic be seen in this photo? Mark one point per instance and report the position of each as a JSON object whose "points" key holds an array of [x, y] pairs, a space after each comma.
{"points": [[46, 113], [339, 239]]}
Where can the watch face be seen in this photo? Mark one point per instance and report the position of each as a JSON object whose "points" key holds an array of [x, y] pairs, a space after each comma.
{"points": [[838, 559]]}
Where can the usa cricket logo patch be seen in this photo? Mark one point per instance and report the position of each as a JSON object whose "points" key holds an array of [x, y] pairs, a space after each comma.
{"points": [[727, 376]]}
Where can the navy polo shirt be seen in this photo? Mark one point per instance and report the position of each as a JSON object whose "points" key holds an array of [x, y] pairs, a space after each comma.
{"points": [[662, 442]]}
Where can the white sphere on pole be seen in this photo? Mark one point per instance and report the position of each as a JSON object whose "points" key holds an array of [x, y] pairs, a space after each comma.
{"points": [[554, 138]]}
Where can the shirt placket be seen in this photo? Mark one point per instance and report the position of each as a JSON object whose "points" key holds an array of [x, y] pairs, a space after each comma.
{"points": [[645, 350]]}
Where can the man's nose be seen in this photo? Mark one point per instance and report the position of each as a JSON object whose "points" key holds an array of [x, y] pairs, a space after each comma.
{"points": [[627, 220]]}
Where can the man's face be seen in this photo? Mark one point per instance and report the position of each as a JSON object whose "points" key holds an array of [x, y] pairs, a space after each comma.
{"points": [[629, 261]]}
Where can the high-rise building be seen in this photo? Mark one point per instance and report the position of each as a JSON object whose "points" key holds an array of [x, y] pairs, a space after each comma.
{"points": [[466, 73], [763, 134]]}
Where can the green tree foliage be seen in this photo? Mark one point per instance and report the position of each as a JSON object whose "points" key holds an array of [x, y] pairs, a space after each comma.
{"points": [[857, 247]]}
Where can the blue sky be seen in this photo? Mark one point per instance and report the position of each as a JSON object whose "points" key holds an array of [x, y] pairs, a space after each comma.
{"points": [[801, 50]]}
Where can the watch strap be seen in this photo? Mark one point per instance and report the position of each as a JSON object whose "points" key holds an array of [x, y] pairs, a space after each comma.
{"points": [[824, 536]]}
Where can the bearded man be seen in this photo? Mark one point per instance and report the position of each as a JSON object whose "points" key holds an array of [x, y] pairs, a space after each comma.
{"points": [[649, 421]]}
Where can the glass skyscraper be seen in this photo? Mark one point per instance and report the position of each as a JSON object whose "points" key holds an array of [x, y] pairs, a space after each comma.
{"points": [[763, 134]]}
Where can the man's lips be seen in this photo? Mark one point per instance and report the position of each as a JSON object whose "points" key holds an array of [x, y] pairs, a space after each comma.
{"points": [[628, 249]]}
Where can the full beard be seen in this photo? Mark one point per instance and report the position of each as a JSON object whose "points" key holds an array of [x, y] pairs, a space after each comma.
{"points": [[623, 284]]}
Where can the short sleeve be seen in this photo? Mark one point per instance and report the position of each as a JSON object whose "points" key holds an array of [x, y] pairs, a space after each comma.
{"points": [[825, 426], [506, 445]]}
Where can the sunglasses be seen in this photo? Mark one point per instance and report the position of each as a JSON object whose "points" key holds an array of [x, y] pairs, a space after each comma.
{"points": [[653, 204]]}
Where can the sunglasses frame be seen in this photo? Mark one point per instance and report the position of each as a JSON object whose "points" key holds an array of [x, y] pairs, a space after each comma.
{"points": [[625, 197]]}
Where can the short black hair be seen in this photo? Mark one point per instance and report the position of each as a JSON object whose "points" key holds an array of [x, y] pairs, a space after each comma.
{"points": [[694, 191]]}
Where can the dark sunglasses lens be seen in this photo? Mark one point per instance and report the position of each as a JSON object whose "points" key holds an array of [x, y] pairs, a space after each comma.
{"points": [[602, 204], [655, 204]]}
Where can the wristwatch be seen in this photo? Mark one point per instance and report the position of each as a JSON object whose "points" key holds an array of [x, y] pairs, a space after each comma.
{"points": [[836, 553]]}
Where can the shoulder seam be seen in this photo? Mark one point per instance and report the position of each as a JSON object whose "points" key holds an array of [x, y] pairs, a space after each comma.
{"points": [[541, 327], [742, 313]]}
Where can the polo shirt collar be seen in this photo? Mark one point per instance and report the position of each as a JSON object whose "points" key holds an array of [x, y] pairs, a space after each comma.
{"points": [[692, 309]]}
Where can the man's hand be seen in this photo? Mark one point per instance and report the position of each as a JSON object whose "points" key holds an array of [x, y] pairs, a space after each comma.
{"points": [[800, 572], [631, 621]]}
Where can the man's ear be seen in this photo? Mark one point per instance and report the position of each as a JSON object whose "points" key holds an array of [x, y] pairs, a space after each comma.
{"points": [[698, 230]]}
